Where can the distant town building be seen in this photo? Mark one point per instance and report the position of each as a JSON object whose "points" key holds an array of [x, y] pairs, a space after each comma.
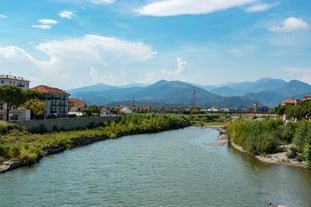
{"points": [[56, 101], [307, 97], [140, 109], [105, 111], [14, 80], [258, 109], [76, 106], [291, 102], [126, 110]]}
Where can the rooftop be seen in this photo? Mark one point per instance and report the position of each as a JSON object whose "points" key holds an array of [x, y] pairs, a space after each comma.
{"points": [[47, 89], [3, 76]]}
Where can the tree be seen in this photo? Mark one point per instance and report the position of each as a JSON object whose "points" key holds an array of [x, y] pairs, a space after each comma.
{"points": [[36, 106], [12, 96], [30, 94], [92, 110]]}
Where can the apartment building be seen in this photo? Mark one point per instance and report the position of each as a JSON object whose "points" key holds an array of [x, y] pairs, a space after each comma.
{"points": [[14, 80], [56, 101]]}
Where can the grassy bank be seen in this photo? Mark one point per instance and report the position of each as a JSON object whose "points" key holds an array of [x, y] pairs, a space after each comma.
{"points": [[16, 143], [264, 137]]}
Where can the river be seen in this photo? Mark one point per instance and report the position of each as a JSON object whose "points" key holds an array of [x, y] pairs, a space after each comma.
{"points": [[173, 168]]}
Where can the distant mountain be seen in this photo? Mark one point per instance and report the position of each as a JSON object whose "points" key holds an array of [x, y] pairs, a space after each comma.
{"points": [[266, 91], [240, 89], [166, 92], [294, 88], [97, 87]]}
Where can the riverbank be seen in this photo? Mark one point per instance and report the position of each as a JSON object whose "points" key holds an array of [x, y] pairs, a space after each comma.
{"points": [[18, 147], [222, 137], [277, 158], [280, 158], [16, 163]]}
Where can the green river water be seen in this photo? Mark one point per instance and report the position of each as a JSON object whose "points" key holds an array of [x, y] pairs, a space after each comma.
{"points": [[174, 168]]}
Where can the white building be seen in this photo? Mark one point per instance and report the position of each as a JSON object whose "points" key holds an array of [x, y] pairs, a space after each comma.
{"points": [[14, 80]]}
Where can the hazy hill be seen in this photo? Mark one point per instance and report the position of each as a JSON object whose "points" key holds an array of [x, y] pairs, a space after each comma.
{"points": [[164, 93], [240, 89]]}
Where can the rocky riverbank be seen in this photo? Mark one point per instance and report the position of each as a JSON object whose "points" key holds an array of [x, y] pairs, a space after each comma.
{"points": [[222, 137], [277, 158]]}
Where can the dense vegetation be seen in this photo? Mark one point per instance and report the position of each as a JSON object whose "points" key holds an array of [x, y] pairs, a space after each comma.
{"points": [[209, 119], [265, 137], [18, 143]]}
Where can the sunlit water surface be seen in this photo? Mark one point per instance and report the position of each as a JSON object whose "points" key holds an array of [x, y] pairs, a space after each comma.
{"points": [[174, 168]]}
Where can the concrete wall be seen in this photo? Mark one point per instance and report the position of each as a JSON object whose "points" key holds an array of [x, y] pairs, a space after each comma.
{"points": [[67, 123], [16, 115]]}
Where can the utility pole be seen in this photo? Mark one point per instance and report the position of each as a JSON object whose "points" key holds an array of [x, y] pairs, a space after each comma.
{"points": [[133, 103], [194, 97]]}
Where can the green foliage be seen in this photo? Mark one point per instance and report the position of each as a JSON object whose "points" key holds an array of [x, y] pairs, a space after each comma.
{"points": [[30, 94], [6, 127], [92, 110], [302, 140], [37, 107], [13, 96], [257, 137], [302, 112], [207, 119], [263, 137], [145, 123]]}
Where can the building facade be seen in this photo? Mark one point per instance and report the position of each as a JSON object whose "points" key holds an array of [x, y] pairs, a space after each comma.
{"points": [[14, 80], [291, 102], [77, 106], [307, 97], [56, 101]]}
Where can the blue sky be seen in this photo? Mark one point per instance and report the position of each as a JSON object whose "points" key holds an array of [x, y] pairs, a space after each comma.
{"points": [[75, 43]]}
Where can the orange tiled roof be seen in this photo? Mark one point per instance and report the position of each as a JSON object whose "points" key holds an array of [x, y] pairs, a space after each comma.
{"points": [[77, 102], [289, 101], [47, 89]]}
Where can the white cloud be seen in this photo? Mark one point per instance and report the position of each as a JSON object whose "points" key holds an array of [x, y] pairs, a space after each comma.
{"points": [[98, 48], [2, 16], [302, 74], [260, 7], [41, 26], [45, 24], [85, 2], [179, 69], [93, 74], [47, 21], [75, 62], [66, 14], [13, 52], [181, 7], [102, 1], [291, 24]]}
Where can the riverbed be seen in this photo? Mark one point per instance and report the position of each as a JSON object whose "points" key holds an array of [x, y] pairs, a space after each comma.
{"points": [[173, 168]]}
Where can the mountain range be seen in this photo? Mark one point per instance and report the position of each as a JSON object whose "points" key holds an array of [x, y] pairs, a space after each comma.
{"points": [[267, 91]]}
